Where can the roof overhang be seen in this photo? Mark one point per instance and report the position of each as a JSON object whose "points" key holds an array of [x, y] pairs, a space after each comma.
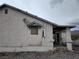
{"points": [[63, 27], [34, 24]]}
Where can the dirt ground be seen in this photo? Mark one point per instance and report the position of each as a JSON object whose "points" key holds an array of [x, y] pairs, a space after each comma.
{"points": [[57, 54]]}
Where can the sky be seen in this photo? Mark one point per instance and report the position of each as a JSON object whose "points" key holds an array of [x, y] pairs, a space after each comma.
{"points": [[61, 12]]}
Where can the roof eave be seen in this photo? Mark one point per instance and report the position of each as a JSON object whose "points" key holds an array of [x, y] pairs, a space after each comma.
{"points": [[29, 14]]}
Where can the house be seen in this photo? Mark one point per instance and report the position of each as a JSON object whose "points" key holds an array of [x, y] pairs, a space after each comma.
{"points": [[22, 31]]}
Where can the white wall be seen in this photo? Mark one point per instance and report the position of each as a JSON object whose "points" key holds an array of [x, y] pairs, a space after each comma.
{"points": [[66, 38], [14, 32]]}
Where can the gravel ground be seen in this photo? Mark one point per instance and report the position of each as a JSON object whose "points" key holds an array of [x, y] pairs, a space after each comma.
{"points": [[57, 54]]}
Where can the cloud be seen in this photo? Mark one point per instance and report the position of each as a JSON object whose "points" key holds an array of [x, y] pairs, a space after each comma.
{"points": [[75, 22], [77, 0], [53, 3]]}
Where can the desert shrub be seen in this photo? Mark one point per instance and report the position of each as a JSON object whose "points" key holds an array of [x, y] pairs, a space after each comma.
{"points": [[75, 37]]}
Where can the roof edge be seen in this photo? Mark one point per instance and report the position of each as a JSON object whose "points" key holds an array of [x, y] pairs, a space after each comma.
{"points": [[29, 14], [67, 26]]}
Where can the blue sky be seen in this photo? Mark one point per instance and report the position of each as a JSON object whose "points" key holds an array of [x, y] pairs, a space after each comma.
{"points": [[58, 11]]}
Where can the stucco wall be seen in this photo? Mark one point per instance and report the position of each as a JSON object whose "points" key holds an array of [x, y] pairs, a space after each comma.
{"points": [[14, 32], [66, 35], [63, 36]]}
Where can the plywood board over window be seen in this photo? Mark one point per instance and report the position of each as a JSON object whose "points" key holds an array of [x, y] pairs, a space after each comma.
{"points": [[34, 30]]}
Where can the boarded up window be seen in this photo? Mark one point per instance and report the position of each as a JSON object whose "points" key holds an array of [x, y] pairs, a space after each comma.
{"points": [[34, 30]]}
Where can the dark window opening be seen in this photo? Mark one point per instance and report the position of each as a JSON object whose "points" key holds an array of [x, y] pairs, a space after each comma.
{"points": [[34, 30], [6, 11], [43, 33]]}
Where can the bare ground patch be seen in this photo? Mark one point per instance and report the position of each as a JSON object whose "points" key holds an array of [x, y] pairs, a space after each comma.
{"points": [[57, 54]]}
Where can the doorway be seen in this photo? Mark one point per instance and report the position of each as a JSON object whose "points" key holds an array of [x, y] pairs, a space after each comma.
{"points": [[57, 38]]}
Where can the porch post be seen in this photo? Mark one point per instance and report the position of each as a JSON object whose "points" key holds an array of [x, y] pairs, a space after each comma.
{"points": [[68, 39]]}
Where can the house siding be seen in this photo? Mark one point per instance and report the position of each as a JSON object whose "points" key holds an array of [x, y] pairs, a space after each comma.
{"points": [[14, 33]]}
